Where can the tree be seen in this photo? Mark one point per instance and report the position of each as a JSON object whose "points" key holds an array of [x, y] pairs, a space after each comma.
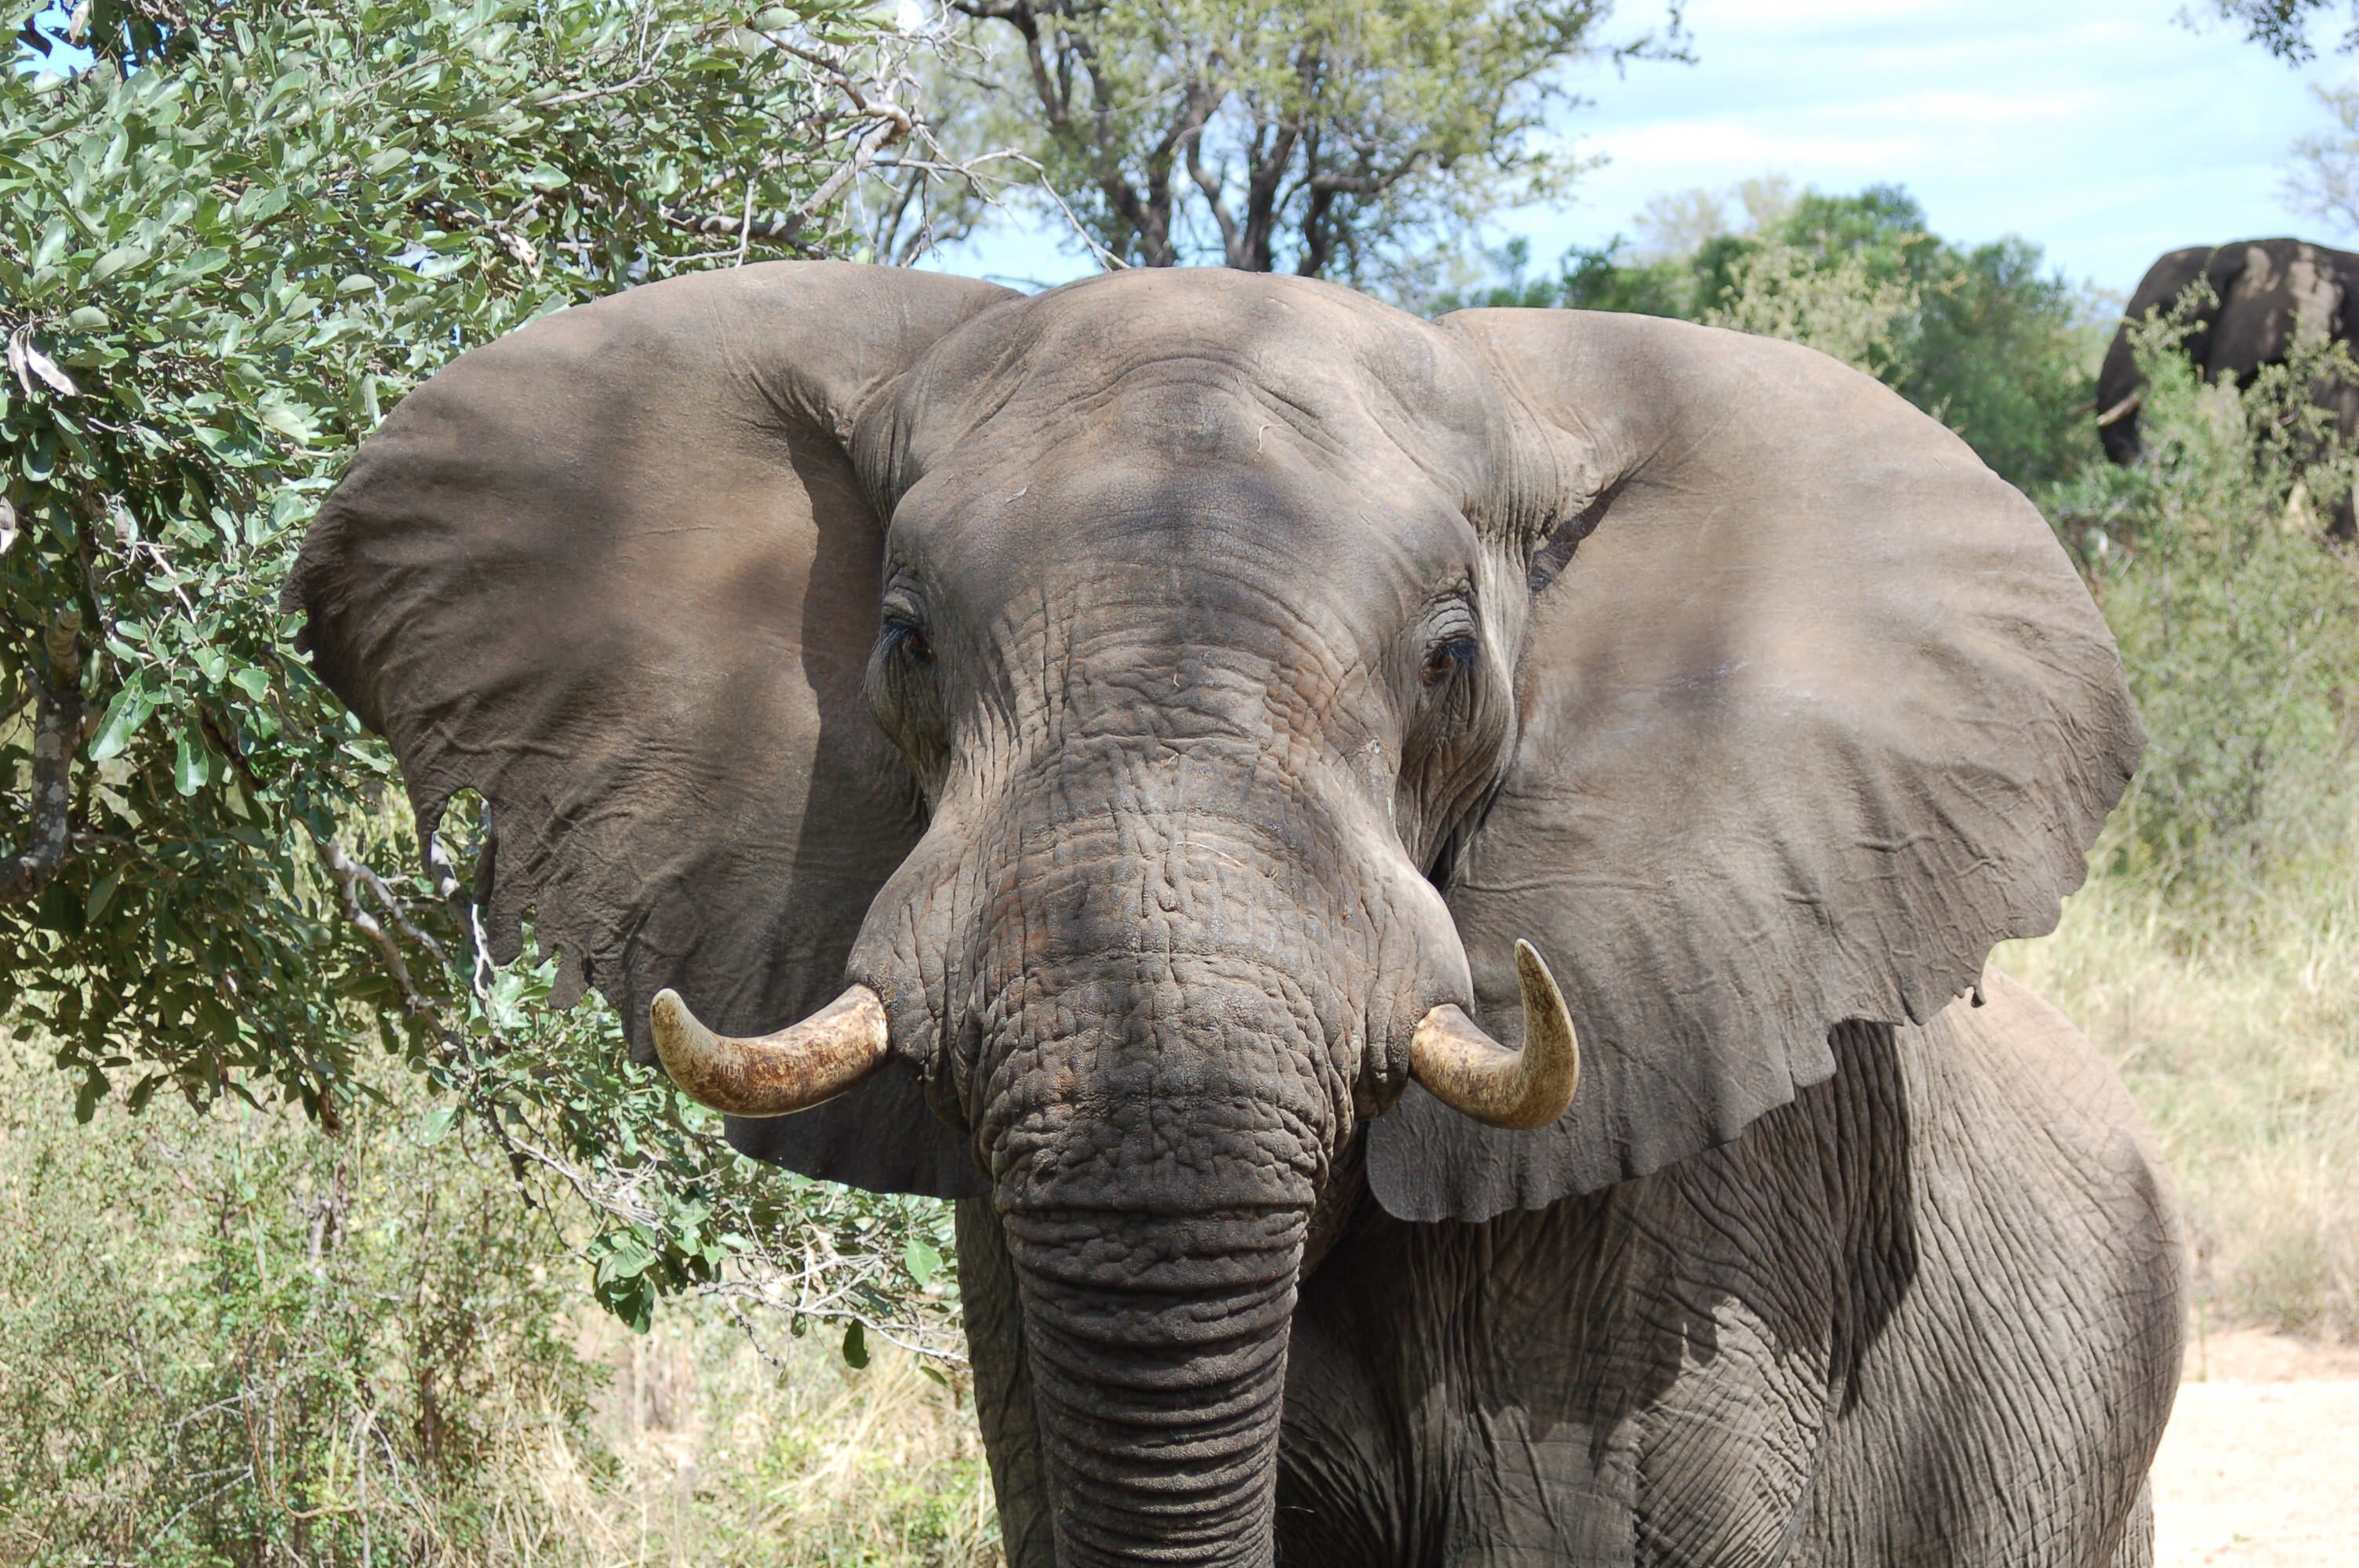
{"points": [[1976, 336], [1330, 139], [226, 246], [2282, 27], [2324, 182]]}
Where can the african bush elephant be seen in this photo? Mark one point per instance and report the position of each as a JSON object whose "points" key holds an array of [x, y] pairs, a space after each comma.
{"points": [[1156, 712], [2262, 294]]}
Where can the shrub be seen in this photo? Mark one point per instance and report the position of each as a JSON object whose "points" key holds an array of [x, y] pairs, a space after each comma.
{"points": [[2238, 621], [233, 1340]]}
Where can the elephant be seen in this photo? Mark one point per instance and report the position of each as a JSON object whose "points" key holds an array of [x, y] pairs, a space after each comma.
{"points": [[2259, 296], [1425, 887]]}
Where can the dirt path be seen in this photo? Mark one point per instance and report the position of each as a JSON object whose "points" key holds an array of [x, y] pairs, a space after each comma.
{"points": [[2260, 1469]]}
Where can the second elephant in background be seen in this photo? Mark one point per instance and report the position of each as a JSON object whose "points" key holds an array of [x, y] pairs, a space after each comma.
{"points": [[2263, 295]]}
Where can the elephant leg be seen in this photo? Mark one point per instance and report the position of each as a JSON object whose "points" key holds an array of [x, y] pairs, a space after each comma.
{"points": [[2135, 1549], [1003, 1387], [1339, 1479]]}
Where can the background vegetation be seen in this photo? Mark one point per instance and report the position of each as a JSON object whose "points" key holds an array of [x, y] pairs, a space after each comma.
{"points": [[328, 1242], [232, 1338], [1978, 336]]}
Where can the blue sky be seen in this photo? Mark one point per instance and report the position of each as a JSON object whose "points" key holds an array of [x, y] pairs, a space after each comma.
{"points": [[2104, 130]]}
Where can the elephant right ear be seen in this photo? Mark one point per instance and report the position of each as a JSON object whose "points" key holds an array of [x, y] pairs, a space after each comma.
{"points": [[1812, 711], [616, 573]]}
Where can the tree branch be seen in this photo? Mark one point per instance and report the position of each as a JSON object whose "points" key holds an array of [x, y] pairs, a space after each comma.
{"points": [[1195, 112], [781, 229], [57, 732], [349, 874]]}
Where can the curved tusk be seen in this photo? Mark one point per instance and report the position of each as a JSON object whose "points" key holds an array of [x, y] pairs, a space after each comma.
{"points": [[801, 1065], [1472, 1074]]}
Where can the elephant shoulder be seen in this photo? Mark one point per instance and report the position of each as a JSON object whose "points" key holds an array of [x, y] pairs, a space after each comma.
{"points": [[2012, 1097]]}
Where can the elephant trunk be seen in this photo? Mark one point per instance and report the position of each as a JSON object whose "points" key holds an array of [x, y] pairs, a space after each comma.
{"points": [[1158, 1396], [1158, 1128]]}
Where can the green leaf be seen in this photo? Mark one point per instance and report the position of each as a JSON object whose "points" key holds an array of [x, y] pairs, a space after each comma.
{"points": [[102, 894], [38, 458], [922, 1261], [94, 1089], [855, 1347], [193, 763], [116, 261], [89, 319], [356, 283], [124, 715], [54, 240], [288, 419], [261, 204]]}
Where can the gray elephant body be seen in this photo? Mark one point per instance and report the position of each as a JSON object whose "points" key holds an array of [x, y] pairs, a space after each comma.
{"points": [[2257, 297], [1928, 1314], [1152, 705]]}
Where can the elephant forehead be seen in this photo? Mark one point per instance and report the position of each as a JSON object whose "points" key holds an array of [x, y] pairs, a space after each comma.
{"points": [[1191, 362]]}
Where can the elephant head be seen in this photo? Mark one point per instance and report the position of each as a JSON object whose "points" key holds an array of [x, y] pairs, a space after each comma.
{"points": [[1142, 720]]}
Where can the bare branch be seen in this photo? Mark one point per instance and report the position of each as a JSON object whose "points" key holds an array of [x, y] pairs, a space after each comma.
{"points": [[779, 229], [348, 874], [57, 732]]}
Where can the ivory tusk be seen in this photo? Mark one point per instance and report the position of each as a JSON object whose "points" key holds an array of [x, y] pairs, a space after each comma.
{"points": [[799, 1066], [1472, 1074], [2122, 410]]}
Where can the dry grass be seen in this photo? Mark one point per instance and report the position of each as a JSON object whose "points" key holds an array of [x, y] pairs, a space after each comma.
{"points": [[703, 1453], [2240, 1041], [228, 1340]]}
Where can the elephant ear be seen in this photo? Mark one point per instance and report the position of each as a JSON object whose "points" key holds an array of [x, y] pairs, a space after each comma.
{"points": [[615, 572], [1814, 713]]}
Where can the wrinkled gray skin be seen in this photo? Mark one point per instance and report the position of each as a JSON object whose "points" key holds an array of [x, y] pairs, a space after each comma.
{"points": [[1923, 1315], [1163, 692], [2263, 295]]}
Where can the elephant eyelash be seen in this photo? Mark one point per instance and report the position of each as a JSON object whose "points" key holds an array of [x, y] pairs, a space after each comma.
{"points": [[1447, 659], [904, 636]]}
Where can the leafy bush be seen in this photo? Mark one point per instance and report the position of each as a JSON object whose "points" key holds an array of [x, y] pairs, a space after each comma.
{"points": [[1838, 305], [223, 249], [2215, 957], [226, 246], [236, 1341], [2238, 620]]}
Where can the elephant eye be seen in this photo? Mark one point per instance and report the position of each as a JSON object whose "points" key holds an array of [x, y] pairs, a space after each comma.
{"points": [[1446, 658], [902, 635]]}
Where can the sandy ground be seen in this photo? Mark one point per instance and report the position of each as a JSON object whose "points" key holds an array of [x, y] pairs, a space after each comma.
{"points": [[2260, 1469]]}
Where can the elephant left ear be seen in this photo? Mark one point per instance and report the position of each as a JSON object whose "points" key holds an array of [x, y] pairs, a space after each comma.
{"points": [[1814, 710]]}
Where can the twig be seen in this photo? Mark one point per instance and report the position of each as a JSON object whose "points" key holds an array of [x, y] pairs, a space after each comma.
{"points": [[347, 873]]}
